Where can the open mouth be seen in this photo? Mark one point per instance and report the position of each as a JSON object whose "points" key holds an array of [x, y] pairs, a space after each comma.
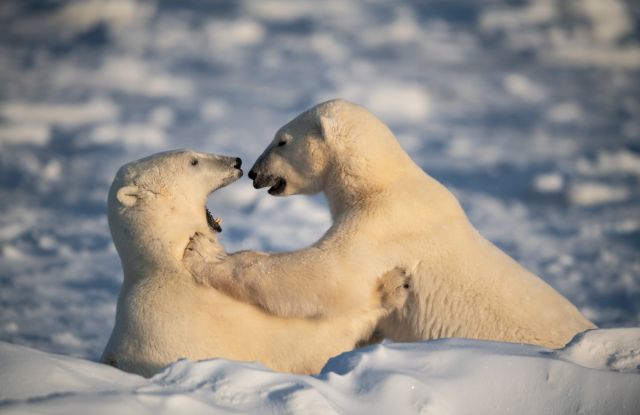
{"points": [[278, 188], [213, 223], [276, 184]]}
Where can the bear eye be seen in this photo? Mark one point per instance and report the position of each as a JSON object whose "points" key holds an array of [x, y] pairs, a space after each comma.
{"points": [[194, 162], [282, 143]]}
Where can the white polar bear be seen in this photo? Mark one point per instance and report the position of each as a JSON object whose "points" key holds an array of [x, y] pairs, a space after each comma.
{"points": [[155, 205], [387, 212]]}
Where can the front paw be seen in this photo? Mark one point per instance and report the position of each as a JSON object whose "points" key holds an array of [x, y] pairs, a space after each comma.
{"points": [[197, 246], [201, 249], [393, 289], [202, 257]]}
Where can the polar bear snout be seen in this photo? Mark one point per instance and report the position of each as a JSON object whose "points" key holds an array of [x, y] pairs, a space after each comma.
{"points": [[261, 178], [233, 162], [232, 166], [276, 184], [237, 166], [259, 174]]}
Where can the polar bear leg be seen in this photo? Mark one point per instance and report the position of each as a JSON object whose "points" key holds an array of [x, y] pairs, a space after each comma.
{"points": [[288, 285]]}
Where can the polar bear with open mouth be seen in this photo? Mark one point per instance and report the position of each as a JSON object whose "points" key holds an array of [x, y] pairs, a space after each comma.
{"points": [[155, 206], [387, 212]]}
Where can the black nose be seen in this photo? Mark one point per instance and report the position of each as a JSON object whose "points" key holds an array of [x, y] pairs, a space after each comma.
{"points": [[238, 163], [253, 175]]}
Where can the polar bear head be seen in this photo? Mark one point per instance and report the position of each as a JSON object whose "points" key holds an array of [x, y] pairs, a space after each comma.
{"points": [[156, 203], [334, 144]]}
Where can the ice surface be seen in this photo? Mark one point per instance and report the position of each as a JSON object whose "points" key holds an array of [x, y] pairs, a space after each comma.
{"points": [[528, 110], [598, 373]]}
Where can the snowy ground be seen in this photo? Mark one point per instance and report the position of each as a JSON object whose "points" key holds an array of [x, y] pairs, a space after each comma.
{"points": [[599, 373], [528, 110]]}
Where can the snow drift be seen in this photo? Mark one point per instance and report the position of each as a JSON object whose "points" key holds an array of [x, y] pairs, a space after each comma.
{"points": [[597, 373]]}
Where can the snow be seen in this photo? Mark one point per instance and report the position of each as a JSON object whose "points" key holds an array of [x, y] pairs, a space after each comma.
{"points": [[523, 88], [82, 15], [589, 194], [24, 133], [95, 110], [610, 21], [597, 373], [128, 75], [565, 112], [528, 110], [548, 183]]}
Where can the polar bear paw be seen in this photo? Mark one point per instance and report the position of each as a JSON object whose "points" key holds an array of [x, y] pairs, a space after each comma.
{"points": [[393, 289], [200, 253], [200, 248]]}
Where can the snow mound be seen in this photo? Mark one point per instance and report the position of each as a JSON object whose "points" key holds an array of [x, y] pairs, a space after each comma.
{"points": [[29, 374], [597, 373], [613, 349]]}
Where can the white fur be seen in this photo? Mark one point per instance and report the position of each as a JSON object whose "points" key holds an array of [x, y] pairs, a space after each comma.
{"points": [[387, 212], [155, 206]]}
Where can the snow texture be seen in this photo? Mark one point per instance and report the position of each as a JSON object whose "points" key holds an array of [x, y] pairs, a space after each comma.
{"points": [[598, 373], [528, 110]]}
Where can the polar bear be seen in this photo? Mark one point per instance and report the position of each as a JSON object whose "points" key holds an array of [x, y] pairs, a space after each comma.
{"points": [[154, 206], [387, 212]]}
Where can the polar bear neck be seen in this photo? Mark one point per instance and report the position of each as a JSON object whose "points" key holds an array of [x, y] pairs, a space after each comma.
{"points": [[353, 182]]}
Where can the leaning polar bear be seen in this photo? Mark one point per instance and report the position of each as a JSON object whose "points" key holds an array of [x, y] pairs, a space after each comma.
{"points": [[155, 205], [387, 212]]}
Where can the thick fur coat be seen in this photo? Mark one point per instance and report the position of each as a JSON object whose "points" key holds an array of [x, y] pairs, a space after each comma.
{"points": [[388, 213], [155, 206]]}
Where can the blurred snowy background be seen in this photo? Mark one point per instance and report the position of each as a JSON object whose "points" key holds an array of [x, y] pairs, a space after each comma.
{"points": [[528, 110]]}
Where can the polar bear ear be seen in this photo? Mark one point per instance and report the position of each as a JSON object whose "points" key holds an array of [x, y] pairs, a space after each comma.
{"points": [[128, 195], [328, 127]]}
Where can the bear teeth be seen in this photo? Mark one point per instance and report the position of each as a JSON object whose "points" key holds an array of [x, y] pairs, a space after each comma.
{"points": [[213, 223]]}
